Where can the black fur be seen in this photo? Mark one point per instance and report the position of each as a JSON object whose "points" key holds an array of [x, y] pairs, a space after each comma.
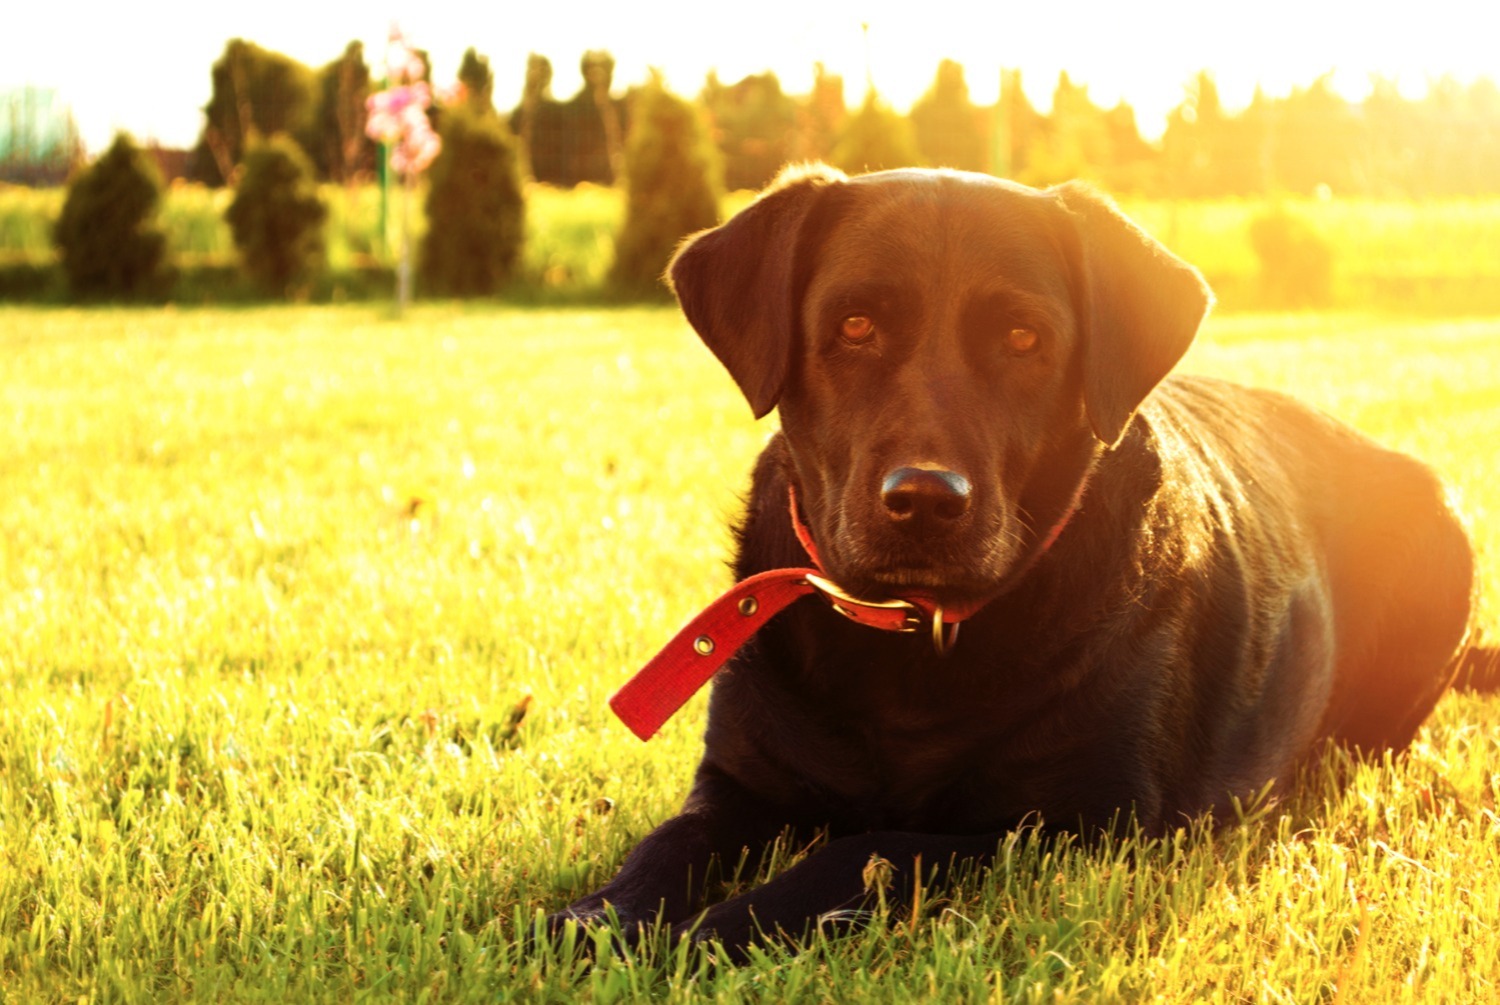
{"points": [[1244, 578]]}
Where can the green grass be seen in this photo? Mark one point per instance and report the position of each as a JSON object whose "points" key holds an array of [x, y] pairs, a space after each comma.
{"points": [[277, 584], [1436, 257]]}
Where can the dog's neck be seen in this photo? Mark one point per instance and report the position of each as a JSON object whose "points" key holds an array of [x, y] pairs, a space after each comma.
{"points": [[696, 653]]}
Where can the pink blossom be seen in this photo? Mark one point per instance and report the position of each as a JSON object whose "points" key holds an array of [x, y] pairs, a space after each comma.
{"points": [[397, 116], [416, 151]]}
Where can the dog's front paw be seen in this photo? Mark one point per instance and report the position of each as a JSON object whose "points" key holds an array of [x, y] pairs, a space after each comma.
{"points": [[731, 925], [590, 912], [766, 917], [585, 922]]}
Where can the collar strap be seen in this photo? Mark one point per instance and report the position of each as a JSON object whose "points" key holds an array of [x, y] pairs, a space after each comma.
{"points": [[651, 697], [695, 654]]}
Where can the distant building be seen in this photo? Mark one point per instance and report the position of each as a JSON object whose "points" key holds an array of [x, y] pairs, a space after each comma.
{"points": [[39, 142]]}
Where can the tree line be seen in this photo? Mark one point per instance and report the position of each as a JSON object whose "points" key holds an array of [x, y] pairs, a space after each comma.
{"points": [[1446, 142], [274, 129]]}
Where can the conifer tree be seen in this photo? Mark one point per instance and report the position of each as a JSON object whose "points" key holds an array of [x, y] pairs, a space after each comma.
{"points": [[475, 209], [875, 138], [671, 188], [108, 236], [479, 81], [256, 93], [821, 117], [277, 217], [338, 145], [946, 124], [536, 96], [754, 127]]}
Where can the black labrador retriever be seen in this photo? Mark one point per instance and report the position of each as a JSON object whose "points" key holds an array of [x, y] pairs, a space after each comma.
{"points": [[1172, 590]]}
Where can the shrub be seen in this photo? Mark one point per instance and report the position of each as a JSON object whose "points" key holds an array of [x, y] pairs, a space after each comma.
{"points": [[108, 235], [1296, 262], [671, 188], [27, 279], [475, 211], [277, 217]]}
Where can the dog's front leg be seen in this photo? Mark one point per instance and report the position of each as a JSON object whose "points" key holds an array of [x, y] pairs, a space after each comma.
{"points": [[839, 885], [663, 877]]}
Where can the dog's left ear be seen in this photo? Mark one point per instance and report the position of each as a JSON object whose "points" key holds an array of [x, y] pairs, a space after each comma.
{"points": [[1141, 306]]}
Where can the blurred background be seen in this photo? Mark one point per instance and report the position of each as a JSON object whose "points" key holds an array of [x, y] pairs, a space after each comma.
{"points": [[1300, 154]]}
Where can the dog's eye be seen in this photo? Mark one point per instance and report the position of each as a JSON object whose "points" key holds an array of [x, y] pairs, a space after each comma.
{"points": [[1022, 341], [857, 328]]}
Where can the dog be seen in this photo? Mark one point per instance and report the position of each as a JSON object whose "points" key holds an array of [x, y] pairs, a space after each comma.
{"points": [[1135, 595]]}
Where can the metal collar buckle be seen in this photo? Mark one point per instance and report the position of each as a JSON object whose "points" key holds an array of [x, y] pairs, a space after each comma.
{"points": [[943, 641], [892, 615], [851, 607]]}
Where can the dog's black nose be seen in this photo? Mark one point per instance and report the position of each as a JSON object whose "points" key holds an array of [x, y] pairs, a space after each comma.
{"points": [[925, 495]]}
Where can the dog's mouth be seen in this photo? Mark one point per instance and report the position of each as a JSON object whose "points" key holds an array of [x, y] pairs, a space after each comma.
{"points": [[877, 561], [944, 585], [950, 574]]}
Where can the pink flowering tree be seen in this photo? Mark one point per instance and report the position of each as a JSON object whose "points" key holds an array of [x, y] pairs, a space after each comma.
{"points": [[398, 120]]}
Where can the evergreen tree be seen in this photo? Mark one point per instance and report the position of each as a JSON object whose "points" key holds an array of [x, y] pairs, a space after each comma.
{"points": [[821, 117], [340, 149], [536, 96], [1317, 135], [478, 80], [1132, 164], [671, 189], [1207, 152], [1448, 138], [948, 128], [277, 217], [107, 236], [475, 209], [574, 141], [1075, 141], [1017, 127], [1393, 155], [256, 92], [875, 138], [598, 69], [753, 125]]}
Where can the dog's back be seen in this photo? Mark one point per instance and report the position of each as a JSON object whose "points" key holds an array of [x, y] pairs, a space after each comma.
{"points": [[1349, 526]]}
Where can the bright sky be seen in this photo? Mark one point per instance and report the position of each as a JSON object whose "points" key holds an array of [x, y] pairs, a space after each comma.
{"points": [[145, 65]]}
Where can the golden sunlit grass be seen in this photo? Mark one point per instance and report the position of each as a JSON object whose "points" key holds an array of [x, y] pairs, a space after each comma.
{"points": [[276, 586]]}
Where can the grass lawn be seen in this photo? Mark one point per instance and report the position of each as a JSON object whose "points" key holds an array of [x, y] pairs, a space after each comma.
{"points": [[308, 617]]}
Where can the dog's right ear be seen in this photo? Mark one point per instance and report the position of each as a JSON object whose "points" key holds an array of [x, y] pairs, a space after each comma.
{"points": [[735, 283]]}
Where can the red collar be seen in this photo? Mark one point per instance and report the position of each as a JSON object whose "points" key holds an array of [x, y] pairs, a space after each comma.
{"points": [[695, 654]]}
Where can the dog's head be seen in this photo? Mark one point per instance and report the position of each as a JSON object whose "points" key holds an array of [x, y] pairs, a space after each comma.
{"points": [[949, 353]]}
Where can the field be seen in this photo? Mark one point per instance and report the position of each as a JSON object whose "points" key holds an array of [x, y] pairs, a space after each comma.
{"points": [[308, 617]]}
